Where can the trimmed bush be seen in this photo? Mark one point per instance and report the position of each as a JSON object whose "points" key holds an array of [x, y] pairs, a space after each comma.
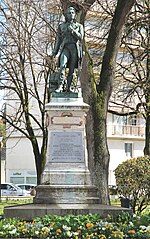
{"points": [[133, 181]]}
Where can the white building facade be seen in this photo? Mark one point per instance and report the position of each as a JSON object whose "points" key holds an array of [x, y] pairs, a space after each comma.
{"points": [[124, 141]]}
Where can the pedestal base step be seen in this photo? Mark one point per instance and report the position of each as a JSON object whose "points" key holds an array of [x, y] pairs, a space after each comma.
{"points": [[30, 211]]}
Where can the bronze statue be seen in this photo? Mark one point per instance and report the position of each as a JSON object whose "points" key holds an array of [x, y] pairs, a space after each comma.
{"points": [[69, 42]]}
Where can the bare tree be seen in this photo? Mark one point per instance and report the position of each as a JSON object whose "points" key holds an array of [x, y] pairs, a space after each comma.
{"points": [[24, 72], [134, 67]]}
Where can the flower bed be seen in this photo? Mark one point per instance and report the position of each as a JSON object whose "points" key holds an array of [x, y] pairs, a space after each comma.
{"points": [[75, 227]]}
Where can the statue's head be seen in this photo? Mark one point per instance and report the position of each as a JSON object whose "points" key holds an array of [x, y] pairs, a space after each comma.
{"points": [[70, 14]]}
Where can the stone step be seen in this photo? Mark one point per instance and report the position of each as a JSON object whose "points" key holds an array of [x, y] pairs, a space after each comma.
{"points": [[68, 200], [66, 194], [66, 177]]}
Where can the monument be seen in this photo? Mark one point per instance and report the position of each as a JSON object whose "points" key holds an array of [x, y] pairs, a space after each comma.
{"points": [[66, 178], [66, 186]]}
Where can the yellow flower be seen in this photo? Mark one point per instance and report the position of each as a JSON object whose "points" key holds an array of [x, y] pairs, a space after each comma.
{"points": [[131, 231], [52, 224], [102, 237], [58, 231], [89, 225], [20, 223], [33, 222], [89, 236]]}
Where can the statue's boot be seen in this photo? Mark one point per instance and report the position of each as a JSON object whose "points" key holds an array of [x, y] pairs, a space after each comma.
{"points": [[60, 88], [61, 82], [69, 81]]}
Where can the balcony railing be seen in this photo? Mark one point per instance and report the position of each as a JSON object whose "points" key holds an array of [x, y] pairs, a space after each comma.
{"points": [[126, 130]]}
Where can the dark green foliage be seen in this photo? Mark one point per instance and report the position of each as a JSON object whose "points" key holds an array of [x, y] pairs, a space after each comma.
{"points": [[132, 179]]}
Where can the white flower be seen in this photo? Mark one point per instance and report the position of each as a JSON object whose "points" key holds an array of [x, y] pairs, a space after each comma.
{"points": [[69, 234], [148, 228], [143, 227], [13, 231], [131, 224], [66, 228], [45, 229], [75, 233], [103, 228], [36, 232]]}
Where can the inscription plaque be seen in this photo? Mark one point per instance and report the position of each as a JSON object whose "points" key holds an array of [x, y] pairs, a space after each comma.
{"points": [[67, 120], [66, 147]]}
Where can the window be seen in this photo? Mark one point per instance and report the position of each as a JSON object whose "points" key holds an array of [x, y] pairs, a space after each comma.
{"points": [[31, 180], [124, 120], [3, 186], [9, 187], [132, 120], [17, 180], [129, 150]]}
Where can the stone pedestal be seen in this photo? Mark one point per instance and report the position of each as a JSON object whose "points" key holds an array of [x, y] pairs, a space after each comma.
{"points": [[66, 185], [66, 177]]}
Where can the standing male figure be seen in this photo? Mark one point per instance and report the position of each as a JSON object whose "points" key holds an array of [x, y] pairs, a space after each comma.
{"points": [[68, 41]]}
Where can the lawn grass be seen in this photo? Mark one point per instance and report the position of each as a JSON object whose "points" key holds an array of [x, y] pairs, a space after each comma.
{"points": [[115, 202], [12, 202]]}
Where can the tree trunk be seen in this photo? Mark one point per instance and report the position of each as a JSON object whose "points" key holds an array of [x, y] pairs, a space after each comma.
{"points": [[88, 86], [101, 98], [40, 160]]}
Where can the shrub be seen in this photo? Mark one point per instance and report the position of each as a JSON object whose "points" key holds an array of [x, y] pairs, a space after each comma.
{"points": [[132, 179]]}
